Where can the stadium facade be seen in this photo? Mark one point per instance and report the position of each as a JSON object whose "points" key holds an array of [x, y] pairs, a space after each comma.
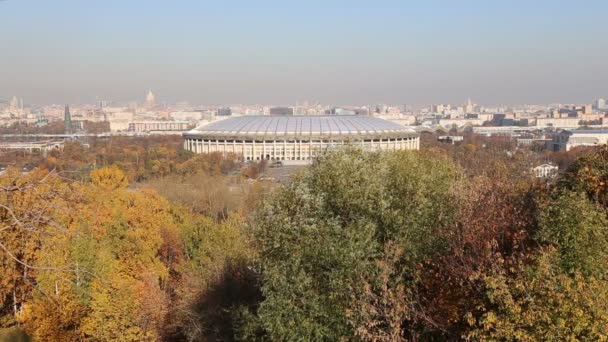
{"points": [[297, 138]]}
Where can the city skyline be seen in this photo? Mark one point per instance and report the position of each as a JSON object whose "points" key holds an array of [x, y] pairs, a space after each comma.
{"points": [[337, 52]]}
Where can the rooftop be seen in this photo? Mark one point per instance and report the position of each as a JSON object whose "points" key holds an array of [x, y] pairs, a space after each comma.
{"points": [[301, 126], [588, 131]]}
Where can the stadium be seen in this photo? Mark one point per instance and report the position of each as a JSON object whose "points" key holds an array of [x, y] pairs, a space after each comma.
{"points": [[297, 139]]}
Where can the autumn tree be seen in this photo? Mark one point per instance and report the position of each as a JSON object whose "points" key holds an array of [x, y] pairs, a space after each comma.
{"points": [[539, 302], [26, 204], [590, 174]]}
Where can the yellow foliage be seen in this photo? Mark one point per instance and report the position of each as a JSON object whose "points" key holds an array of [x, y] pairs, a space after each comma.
{"points": [[541, 303], [109, 178]]}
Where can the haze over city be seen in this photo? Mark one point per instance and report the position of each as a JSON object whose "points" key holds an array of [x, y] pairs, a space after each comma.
{"points": [[280, 52]]}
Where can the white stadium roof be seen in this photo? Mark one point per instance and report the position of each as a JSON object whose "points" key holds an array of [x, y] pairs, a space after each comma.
{"points": [[334, 125]]}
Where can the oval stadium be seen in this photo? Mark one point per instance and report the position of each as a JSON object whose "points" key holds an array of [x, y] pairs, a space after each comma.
{"points": [[297, 138]]}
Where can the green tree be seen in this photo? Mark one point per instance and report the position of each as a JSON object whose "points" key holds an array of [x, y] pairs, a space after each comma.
{"points": [[325, 232], [578, 228]]}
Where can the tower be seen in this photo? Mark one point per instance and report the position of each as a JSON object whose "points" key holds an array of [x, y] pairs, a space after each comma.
{"points": [[67, 120], [150, 100], [14, 103], [468, 107]]}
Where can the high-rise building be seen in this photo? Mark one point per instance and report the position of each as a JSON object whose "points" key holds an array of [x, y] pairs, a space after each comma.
{"points": [[469, 107], [600, 104], [67, 120], [150, 100], [14, 104]]}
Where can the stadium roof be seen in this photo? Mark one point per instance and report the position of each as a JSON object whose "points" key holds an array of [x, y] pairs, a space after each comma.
{"points": [[300, 126]]}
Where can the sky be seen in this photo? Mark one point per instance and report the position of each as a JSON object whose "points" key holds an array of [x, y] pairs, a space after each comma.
{"points": [[283, 51]]}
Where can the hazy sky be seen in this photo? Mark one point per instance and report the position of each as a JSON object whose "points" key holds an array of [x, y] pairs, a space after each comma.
{"points": [[333, 51]]}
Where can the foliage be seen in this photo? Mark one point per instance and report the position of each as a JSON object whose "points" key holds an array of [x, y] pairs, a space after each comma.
{"points": [[540, 302], [109, 178], [579, 229], [100, 261], [590, 174], [451, 243], [326, 231]]}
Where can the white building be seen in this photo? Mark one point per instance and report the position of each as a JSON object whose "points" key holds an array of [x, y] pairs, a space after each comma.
{"points": [[566, 140], [558, 122], [158, 126], [150, 100], [545, 171], [43, 147], [297, 139]]}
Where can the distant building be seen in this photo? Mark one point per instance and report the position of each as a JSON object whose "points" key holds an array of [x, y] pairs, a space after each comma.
{"points": [[469, 108], [514, 131], [545, 171], [340, 111], [568, 139], [280, 111], [67, 120], [224, 111], [191, 116], [33, 146], [566, 122], [150, 100], [452, 139], [158, 126], [458, 123], [531, 140]]}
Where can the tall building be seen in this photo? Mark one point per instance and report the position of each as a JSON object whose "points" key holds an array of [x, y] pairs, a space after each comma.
{"points": [[469, 107], [14, 103], [600, 104], [67, 120]]}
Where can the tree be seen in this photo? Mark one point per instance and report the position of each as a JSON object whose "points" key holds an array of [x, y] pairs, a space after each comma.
{"points": [[540, 303], [109, 178], [26, 204], [493, 226], [578, 228], [326, 231], [590, 174]]}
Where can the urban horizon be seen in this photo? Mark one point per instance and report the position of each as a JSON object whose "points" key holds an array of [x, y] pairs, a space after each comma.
{"points": [[342, 52]]}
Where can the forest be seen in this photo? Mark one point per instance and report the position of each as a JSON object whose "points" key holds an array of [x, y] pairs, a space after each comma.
{"points": [[134, 239]]}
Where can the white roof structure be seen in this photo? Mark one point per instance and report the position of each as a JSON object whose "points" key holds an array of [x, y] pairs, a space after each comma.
{"points": [[301, 126]]}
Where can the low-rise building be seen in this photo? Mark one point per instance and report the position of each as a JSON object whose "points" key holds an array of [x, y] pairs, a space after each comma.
{"points": [[298, 139], [43, 147], [568, 139], [545, 171], [558, 122], [158, 126], [452, 139]]}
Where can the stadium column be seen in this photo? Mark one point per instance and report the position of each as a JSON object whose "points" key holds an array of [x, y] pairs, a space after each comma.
{"points": [[310, 153]]}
